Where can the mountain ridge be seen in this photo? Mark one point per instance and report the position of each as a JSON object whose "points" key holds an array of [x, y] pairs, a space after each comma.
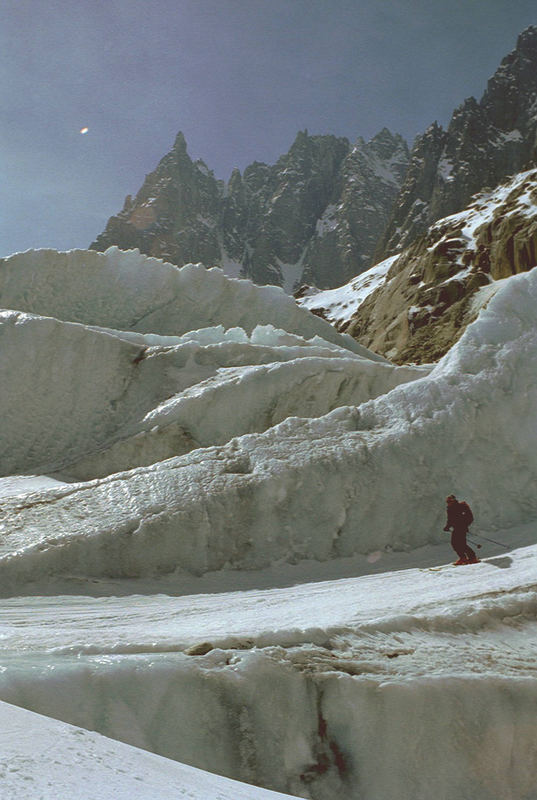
{"points": [[485, 142], [416, 304], [268, 223], [327, 210]]}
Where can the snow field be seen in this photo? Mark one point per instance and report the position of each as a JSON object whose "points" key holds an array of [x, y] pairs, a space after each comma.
{"points": [[360, 706], [46, 759], [181, 429], [338, 305]]}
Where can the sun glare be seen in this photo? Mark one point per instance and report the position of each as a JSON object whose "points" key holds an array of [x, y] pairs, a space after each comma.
{"points": [[84, 130]]}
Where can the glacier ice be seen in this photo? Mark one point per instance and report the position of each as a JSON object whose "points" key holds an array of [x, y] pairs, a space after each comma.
{"points": [[168, 432], [268, 476]]}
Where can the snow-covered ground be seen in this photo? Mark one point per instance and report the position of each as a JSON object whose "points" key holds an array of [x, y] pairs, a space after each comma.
{"points": [[338, 305], [217, 519], [312, 689], [45, 759], [516, 191]]}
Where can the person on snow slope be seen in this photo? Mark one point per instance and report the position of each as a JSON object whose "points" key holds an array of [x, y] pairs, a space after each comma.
{"points": [[459, 519]]}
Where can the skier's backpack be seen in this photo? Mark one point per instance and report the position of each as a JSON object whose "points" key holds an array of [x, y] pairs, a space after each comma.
{"points": [[466, 512]]}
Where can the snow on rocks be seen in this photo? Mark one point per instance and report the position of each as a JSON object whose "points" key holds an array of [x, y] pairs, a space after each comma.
{"points": [[430, 293], [507, 198], [338, 305]]}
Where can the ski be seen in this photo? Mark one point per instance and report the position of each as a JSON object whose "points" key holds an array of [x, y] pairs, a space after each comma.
{"points": [[435, 569], [447, 566]]}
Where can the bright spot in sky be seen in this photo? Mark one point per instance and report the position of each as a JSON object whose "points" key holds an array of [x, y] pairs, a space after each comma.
{"points": [[84, 130]]}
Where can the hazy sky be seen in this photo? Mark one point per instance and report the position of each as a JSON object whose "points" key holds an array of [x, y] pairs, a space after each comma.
{"points": [[238, 77]]}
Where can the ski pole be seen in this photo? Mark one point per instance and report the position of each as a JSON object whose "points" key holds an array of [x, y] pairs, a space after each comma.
{"points": [[479, 546], [491, 540]]}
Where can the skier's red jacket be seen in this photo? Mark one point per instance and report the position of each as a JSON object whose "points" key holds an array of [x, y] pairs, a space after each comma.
{"points": [[459, 516]]}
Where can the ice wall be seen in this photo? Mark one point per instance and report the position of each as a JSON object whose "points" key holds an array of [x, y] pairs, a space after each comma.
{"points": [[46, 759], [113, 401], [395, 685], [127, 291], [367, 475], [304, 722]]}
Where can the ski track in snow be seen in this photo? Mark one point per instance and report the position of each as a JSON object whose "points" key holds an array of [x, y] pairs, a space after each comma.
{"points": [[217, 517]]}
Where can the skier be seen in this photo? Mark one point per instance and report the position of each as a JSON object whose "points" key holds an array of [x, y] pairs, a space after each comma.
{"points": [[459, 518]]}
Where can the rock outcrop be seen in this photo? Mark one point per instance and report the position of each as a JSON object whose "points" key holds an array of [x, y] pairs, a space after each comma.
{"points": [[174, 216], [485, 142], [347, 232], [436, 287]]}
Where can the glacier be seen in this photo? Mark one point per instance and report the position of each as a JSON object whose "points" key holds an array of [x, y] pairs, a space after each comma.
{"points": [[217, 522]]}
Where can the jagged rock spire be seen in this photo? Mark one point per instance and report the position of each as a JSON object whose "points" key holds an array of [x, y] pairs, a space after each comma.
{"points": [[264, 223], [486, 141]]}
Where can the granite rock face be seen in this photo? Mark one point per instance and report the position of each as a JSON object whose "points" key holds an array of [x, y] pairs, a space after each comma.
{"points": [[436, 287], [276, 208], [485, 142], [348, 230], [175, 214], [319, 210]]}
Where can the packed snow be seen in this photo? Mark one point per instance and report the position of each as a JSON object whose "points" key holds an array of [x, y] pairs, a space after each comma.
{"points": [[220, 523], [485, 206], [338, 305], [45, 759]]}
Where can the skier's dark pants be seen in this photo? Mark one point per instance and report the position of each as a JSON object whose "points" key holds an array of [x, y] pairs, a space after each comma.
{"points": [[458, 543]]}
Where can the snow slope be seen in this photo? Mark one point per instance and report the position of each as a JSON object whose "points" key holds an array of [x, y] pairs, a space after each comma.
{"points": [[338, 305], [312, 689], [45, 759], [194, 473]]}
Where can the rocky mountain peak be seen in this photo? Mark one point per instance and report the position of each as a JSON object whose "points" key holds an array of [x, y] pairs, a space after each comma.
{"points": [[432, 132], [512, 89], [180, 143], [313, 152], [527, 41], [385, 135], [173, 216], [485, 142], [263, 223], [326, 211], [385, 143]]}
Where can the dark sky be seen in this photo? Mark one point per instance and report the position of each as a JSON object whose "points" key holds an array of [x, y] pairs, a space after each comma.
{"points": [[238, 77]]}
